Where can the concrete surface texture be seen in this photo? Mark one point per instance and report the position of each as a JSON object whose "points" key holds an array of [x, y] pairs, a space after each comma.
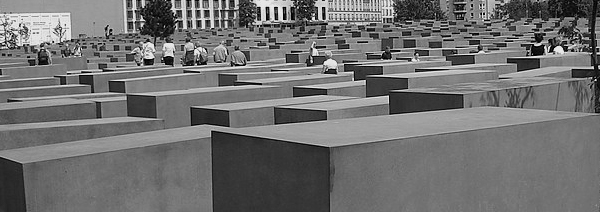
{"points": [[167, 170], [47, 110], [465, 159], [353, 88], [342, 109]]}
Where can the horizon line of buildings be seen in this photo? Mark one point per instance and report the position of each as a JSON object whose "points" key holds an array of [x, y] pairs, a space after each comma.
{"points": [[89, 17]]}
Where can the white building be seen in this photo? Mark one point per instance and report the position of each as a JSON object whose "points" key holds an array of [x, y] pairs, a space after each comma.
{"points": [[355, 11], [41, 27], [282, 11], [193, 14]]}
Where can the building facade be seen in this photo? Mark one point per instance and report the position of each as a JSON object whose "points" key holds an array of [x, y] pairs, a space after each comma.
{"points": [[192, 14], [355, 11], [470, 9], [283, 11], [387, 11]]}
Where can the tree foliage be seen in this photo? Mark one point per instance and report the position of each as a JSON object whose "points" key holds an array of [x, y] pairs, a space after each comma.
{"points": [[159, 19], [8, 33], [417, 9], [304, 10], [570, 8], [517, 9], [247, 12]]}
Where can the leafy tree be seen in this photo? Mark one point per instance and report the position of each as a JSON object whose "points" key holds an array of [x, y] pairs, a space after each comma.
{"points": [[596, 78], [517, 9], [304, 10], [59, 31], [417, 9], [159, 19], [569, 8], [247, 12], [9, 35]]}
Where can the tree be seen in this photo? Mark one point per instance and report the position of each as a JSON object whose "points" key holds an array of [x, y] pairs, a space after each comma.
{"points": [[417, 9], [159, 19], [517, 9], [247, 12], [304, 10], [59, 31], [596, 78], [569, 8], [9, 35]]}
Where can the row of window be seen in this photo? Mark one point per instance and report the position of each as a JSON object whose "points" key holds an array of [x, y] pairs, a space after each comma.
{"points": [[177, 4], [355, 17], [190, 14], [285, 17], [187, 24]]}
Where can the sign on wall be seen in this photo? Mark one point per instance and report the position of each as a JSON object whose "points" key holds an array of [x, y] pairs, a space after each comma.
{"points": [[35, 28]]}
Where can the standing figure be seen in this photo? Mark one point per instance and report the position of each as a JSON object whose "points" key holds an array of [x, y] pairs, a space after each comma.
{"points": [[387, 54], [415, 57], [538, 48], [43, 55], [188, 58], [149, 53], [312, 52], [77, 50], [201, 54], [138, 53], [168, 52], [220, 53]]}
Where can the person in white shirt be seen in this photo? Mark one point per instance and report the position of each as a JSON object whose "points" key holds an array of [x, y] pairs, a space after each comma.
{"points": [[201, 54], [558, 49], [415, 57], [168, 52], [312, 52], [480, 50], [330, 65], [148, 53]]}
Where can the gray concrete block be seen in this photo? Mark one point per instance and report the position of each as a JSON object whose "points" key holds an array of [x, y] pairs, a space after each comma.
{"points": [[158, 83], [342, 109], [47, 110], [353, 88], [8, 93]]}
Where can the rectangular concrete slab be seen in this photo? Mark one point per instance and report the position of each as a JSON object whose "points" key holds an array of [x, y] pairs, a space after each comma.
{"points": [[108, 107], [361, 72], [353, 88], [29, 82], [248, 114], [229, 79], [99, 81], [544, 93], [465, 159], [491, 57], [46, 110], [342, 109], [567, 59], [290, 82], [158, 83], [212, 74], [15, 136], [34, 71], [166, 170], [174, 106], [551, 71], [70, 96], [380, 85], [37, 91], [505, 68]]}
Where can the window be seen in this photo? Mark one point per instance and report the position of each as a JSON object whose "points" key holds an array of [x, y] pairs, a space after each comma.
{"points": [[316, 13], [285, 13], [129, 14], [292, 13], [216, 4], [177, 4], [129, 6], [223, 4], [197, 3], [216, 24], [231, 14], [129, 26], [198, 13], [205, 4], [188, 4], [323, 12], [207, 14], [189, 24], [231, 4], [138, 25], [207, 24], [258, 13], [216, 16], [267, 13], [188, 14], [179, 25], [138, 3], [276, 13], [198, 24], [138, 16], [179, 14]]}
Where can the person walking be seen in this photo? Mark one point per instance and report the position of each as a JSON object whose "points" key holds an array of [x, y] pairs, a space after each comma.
{"points": [[238, 58], [149, 53], [65, 51], [188, 58], [43, 56], [220, 53], [168, 52], [330, 65], [138, 53], [558, 49], [201, 54]]}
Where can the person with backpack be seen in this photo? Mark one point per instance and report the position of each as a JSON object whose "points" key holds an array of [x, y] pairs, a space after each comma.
{"points": [[201, 54], [188, 58], [43, 56], [77, 50]]}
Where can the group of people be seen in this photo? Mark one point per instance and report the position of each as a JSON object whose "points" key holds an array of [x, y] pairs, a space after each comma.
{"points": [[555, 46], [66, 51], [387, 55], [330, 66], [194, 54]]}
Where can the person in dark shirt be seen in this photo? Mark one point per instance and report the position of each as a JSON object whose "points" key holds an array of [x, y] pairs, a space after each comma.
{"points": [[238, 58], [538, 48], [387, 54]]}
